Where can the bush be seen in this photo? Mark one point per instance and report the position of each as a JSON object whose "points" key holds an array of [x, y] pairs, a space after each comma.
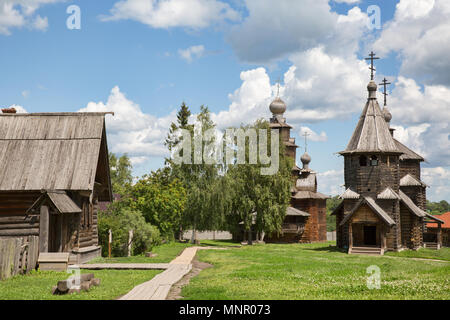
{"points": [[120, 221]]}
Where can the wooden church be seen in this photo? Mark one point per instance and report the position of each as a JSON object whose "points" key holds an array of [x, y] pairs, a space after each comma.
{"points": [[383, 206], [54, 168], [306, 217]]}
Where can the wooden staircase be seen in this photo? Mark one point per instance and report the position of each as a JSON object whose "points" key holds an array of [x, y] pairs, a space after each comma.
{"points": [[431, 245], [366, 250]]}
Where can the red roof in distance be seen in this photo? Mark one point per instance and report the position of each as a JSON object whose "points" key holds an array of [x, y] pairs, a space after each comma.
{"points": [[444, 217]]}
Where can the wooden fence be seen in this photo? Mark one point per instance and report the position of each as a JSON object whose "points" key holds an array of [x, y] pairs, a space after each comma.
{"points": [[18, 255]]}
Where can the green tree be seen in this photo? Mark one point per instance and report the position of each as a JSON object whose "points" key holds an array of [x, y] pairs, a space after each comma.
{"points": [[332, 204], [121, 173], [161, 199], [437, 208], [256, 198], [120, 220]]}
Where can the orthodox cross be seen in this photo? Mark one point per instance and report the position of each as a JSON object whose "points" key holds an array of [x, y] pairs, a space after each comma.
{"points": [[384, 84], [306, 134], [372, 68], [278, 87]]}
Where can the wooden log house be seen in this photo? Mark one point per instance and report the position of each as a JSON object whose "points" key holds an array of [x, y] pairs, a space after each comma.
{"points": [[383, 207], [54, 168]]}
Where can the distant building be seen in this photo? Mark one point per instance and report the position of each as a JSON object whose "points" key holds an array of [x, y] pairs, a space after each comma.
{"points": [[54, 169], [306, 217], [438, 233], [383, 207]]}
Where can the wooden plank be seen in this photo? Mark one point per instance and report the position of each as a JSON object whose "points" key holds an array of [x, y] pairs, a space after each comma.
{"points": [[44, 229]]}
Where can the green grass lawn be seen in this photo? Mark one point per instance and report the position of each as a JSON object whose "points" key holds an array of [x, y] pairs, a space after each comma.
{"points": [[114, 283], [442, 254], [315, 271], [38, 285], [165, 253]]}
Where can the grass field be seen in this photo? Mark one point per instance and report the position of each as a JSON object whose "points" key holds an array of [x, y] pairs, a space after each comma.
{"points": [[316, 271], [165, 253], [38, 285], [271, 271], [114, 283]]}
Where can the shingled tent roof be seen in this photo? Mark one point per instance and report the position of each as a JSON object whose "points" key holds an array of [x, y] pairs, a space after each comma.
{"points": [[408, 154], [372, 131], [54, 151]]}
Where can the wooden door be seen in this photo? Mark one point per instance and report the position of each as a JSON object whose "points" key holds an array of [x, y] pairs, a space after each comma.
{"points": [[55, 233], [370, 235]]}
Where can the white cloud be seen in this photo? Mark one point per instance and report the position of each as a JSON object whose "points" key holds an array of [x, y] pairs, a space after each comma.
{"points": [[347, 1], [313, 136], [320, 86], [131, 130], [331, 182], [21, 13], [165, 14], [193, 52], [420, 33], [271, 32], [25, 94], [249, 102], [437, 178], [40, 23]]}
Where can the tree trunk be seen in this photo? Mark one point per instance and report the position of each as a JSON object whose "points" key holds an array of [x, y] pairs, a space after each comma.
{"points": [[262, 234], [250, 242]]}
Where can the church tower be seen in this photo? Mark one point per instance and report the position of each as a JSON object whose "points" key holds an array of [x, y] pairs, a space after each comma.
{"points": [[305, 219], [375, 214]]}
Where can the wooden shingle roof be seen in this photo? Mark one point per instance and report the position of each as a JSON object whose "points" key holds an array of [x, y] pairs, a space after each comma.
{"points": [[408, 154], [372, 132], [411, 205], [371, 203], [58, 200], [53, 151]]}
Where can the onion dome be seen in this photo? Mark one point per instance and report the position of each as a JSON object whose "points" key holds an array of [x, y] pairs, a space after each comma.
{"points": [[305, 159], [278, 107], [387, 115], [372, 87]]}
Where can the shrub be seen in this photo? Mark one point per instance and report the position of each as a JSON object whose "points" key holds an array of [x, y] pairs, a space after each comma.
{"points": [[120, 221]]}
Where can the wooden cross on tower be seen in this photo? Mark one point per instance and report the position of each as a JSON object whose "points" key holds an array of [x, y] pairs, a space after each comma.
{"points": [[306, 135], [372, 68], [384, 84]]}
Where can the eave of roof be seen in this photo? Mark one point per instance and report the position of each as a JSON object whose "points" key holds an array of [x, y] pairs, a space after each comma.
{"points": [[408, 154], [411, 205], [411, 181], [375, 208], [59, 200], [291, 211]]}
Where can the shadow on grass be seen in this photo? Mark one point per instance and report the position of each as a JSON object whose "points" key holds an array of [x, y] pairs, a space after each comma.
{"points": [[328, 249]]}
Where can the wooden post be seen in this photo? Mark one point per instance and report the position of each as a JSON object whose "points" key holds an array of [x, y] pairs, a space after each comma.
{"points": [[350, 237], [109, 243], [130, 241], [439, 236], [43, 229]]}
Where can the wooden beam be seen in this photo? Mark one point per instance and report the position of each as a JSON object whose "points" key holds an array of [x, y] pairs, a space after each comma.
{"points": [[43, 229]]}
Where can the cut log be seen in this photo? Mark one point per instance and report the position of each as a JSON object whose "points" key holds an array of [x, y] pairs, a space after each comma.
{"points": [[95, 282], [55, 290], [86, 286], [65, 285], [74, 291]]}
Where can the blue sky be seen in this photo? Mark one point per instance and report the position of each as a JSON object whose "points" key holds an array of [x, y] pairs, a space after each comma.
{"points": [[128, 56]]}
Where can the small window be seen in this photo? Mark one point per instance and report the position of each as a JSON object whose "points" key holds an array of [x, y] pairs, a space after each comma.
{"points": [[363, 161], [373, 161]]}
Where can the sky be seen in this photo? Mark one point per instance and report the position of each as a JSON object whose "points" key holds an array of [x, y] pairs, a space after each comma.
{"points": [[142, 58]]}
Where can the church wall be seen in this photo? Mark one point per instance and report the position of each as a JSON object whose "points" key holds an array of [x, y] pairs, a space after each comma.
{"points": [[411, 167], [371, 180]]}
